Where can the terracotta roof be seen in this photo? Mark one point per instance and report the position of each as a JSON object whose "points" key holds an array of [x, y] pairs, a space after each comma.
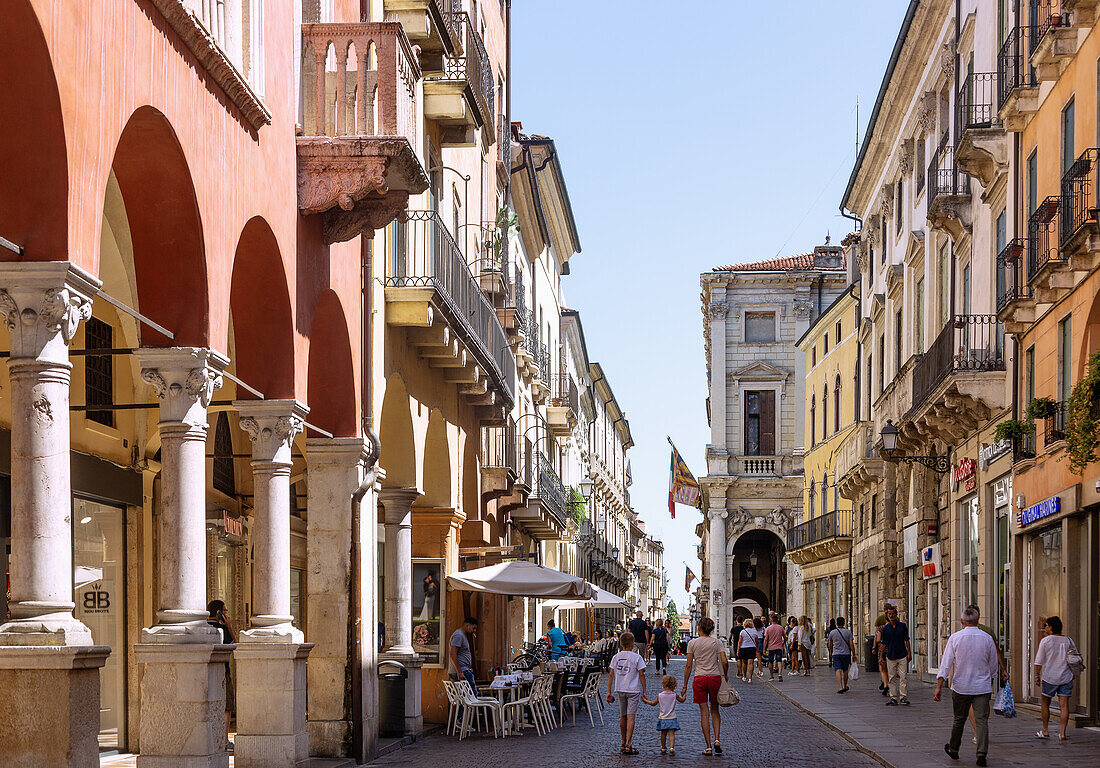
{"points": [[781, 264]]}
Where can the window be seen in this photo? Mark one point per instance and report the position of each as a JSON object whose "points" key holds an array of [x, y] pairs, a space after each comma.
{"points": [[860, 522], [920, 164], [760, 422], [813, 420], [836, 404], [1065, 358], [825, 495], [897, 342], [970, 550], [944, 280], [882, 253], [811, 515], [825, 351], [919, 313], [897, 209], [881, 363], [813, 355], [966, 290], [1068, 153], [837, 331], [221, 475], [874, 510], [1032, 182], [99, 379], [825, 412], [1001, 235], [760, 326], [1029, 375], [1002, 21]]}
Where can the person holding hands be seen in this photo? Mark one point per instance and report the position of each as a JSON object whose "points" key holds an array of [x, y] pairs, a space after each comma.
{"points": [[626, 675], [667, 724]]}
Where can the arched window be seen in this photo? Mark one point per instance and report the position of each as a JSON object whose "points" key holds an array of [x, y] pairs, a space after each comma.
{"points": [[825, 495], [836, 404], [809, 516], [825, 412], [813, 424], [221, 475]]}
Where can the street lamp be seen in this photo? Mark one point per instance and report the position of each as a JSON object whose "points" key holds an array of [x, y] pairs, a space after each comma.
{"points": [[586, 489], [889, 435], [614, 553]]}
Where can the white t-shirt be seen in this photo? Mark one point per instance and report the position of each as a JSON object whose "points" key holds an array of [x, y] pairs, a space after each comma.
{"points": [[749, 638], [626, 666], [1052, 656]]}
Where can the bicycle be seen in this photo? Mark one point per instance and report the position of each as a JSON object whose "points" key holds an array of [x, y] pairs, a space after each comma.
{"points": [[533, 655]]}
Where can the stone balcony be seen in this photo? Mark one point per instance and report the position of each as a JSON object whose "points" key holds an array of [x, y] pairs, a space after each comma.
{"points": [[981, 144], [460, 97], [1015, 305], [1053, 40], [430, 290], [820, 537], [429, 24], [857, 463], [1079, 233], [563, 409], [948, 192], [356, 162]]}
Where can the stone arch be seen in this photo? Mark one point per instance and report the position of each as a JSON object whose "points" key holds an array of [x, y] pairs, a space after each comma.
{"points": [[330, 378], [398, 453], [437, 482], [162, 213], [751, 593], [34, 197], [470, 479], [262, 321]]}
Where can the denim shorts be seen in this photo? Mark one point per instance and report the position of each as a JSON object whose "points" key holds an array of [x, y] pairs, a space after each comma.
{"points": [[842, 661], [1050, 690]]}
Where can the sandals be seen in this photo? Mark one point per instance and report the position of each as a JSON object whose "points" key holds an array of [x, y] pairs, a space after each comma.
{"points": [[671, 752], [628, 751], [1041, 735], [664, 751], [707, 752], [717, 747]]}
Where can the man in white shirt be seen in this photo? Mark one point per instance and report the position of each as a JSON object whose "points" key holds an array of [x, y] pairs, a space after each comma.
{"points": [[970, 661]]}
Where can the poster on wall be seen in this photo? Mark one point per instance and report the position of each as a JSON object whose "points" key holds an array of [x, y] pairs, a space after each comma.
{"points": [[427, 609], [930, 561]]}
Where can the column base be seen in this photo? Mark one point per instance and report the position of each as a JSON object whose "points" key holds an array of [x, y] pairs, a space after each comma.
{"points": [[50, 705], [200, 633], [414, 715], [271, 703], [55, 630], [182, 704]]}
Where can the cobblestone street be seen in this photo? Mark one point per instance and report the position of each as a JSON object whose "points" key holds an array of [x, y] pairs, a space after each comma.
{"points": [[763, 730]]}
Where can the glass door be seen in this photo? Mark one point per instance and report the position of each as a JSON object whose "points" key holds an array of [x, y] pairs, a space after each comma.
{"points": [[935, 614]]}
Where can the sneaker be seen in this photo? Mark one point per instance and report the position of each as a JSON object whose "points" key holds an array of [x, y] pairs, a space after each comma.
{"points": [[905, 700], [892, 703], [952, 755], [981, 760]]}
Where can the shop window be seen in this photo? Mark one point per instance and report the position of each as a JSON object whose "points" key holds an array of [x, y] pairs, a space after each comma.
{"points": [[222, 475], [99, 372], [970, 550], [428, 609]]}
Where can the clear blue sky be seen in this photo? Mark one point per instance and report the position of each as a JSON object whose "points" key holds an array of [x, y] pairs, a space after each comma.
{"points": [[689, 138]]}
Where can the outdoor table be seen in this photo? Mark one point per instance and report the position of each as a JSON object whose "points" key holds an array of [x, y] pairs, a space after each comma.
{"points": [[508, 692]]}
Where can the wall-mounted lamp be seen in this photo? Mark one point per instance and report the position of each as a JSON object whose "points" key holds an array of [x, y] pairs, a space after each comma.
{"points": [[889, 435]]}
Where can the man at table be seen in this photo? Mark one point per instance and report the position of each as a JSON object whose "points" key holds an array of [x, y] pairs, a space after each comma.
{"points": [[556, 638], [462, 655]]}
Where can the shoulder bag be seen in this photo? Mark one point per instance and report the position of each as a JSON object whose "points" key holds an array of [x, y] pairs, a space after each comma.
{"points": [[727, 696], [1074, 661]]}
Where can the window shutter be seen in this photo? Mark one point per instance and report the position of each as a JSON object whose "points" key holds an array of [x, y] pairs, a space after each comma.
{"points": [[767, 422]]}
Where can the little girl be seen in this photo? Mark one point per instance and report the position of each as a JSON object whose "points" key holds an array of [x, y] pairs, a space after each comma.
{"points": [[667, 723]]}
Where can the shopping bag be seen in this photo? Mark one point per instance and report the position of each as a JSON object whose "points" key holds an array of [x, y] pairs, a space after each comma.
{"points": [[727, 696], [853, 671], [1005, 703]]}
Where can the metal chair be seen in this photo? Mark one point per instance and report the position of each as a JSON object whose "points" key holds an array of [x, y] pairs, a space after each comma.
{"points": [[590, 689], [472, 704]]}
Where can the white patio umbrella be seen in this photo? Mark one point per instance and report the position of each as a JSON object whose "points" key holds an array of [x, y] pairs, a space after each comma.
{"points": [[522, 579], [601, 599]]}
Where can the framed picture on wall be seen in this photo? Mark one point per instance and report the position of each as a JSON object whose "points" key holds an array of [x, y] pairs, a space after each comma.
{"points": [[428, 608]]}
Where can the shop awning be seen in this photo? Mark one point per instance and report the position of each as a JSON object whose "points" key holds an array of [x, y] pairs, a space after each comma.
{"points": [[601, 599], [522, 579]]}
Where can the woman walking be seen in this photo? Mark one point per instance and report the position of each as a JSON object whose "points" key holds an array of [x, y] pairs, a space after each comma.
{"points": [[806, 644], [746, 651], [758, 625], [1054, 675], [708, 660], [660, 647], [792, 646]]}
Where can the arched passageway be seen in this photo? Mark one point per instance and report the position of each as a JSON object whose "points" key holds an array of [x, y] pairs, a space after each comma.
{"points": [[759, 570]]}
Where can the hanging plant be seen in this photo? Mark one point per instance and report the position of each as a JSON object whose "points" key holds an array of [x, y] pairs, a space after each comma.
{"points": [[577, 505], [506, 225], [1040, 408], [1083, 418], [1013, 430]]}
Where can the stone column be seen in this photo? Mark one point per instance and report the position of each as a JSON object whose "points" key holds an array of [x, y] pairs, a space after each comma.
{"points": [[716, 556], [335, 471], [397, 503], [183, 660], [44, 647], [271, 654]]}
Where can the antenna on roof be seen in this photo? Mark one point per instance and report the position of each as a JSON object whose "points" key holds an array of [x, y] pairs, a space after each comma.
{"points": [[827, 237]]}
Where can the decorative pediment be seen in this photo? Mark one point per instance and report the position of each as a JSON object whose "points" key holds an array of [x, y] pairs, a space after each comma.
{"points": [[759, 371]]}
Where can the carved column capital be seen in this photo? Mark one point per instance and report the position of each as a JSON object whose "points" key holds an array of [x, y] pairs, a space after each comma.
{"points": [[271, 426], [42, 305], [717, 310], [184, 379]]}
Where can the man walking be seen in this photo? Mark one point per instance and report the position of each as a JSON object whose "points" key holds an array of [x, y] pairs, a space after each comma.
{"points": [[637, 627], [773, 645], [894, 636], [970, 660]]}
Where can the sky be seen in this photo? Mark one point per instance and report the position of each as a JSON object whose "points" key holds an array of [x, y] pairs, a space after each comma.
{"points": [[690, 135]]}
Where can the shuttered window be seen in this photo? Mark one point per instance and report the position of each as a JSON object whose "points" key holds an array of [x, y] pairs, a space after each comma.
{"points": [[760, 423]]}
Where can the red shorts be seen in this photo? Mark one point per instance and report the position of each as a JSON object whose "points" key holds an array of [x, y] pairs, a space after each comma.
{"points": [[704, 688]]}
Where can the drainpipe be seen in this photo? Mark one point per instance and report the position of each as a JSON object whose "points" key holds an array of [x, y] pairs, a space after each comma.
{"points": [[952, 129]]}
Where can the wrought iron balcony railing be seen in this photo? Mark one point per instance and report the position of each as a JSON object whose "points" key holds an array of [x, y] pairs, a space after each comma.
{"points": [[342, 101], [548, 489], [1079, 195], [1013, 65], [564, 393], [1023, 447], [1045, 15], [1011, 285], [1054, 426], [833, 525], [471, 67], [943, 177], [519, 295], [967, 343], [544, 365], [531, 340], [499, 448], [431, 258], [976, 103], [1042, 237]]}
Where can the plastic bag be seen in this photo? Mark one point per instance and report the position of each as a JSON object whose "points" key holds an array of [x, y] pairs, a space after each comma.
{"points": [[853, 671], [1005, 702]]}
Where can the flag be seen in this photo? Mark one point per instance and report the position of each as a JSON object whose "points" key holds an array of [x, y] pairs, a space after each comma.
{"points": [[688, 578], [683, 488]]}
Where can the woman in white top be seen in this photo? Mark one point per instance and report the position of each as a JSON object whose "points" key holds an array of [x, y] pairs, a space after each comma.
{"points": [[1053, 675], [746, 651]]}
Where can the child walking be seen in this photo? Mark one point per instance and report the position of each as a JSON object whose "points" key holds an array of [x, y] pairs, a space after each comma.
{"points": [[626, 675], [667, 723]]}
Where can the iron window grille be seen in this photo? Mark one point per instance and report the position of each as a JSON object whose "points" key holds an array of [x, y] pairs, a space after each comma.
{"points": [[99, 372], [222, 475], [1042, 237]]}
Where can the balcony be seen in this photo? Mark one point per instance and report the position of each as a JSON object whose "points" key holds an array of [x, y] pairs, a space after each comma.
{"points": [[563, 411], [821, 537], [981, 147], [1079, 239], [948, 191], [763, 466], [1023, 448], [1016, 82], [544, 516], [461, 97], [356, 162], [514, 312], [486, 249], [429, 24], [1050, 281], [499, 464], [1014, 305], [1054, 426], [430, 289], [858, 463], [959, 382], [1052, 42]]}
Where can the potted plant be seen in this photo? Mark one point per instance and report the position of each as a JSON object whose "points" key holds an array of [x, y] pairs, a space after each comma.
{"points": [[1040, 408], [1013, 430], [1083, 418]]}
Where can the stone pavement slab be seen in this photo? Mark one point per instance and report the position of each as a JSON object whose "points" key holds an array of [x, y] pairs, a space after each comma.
{"points": [[905, 737]]}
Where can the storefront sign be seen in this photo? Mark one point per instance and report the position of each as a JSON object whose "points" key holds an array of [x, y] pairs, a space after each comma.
{"points": [[910, 553], [963, 475], [1044, 508], [930, 561], [993, 451], [96, 598]]}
